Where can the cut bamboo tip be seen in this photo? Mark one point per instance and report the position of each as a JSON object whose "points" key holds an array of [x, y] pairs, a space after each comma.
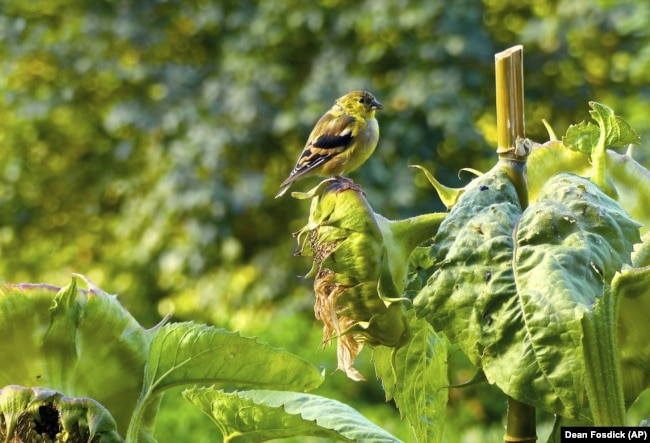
{"points": [[510, 98]]}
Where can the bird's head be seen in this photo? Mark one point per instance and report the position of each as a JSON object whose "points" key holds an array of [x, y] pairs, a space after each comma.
{"points": [[359, 103]]}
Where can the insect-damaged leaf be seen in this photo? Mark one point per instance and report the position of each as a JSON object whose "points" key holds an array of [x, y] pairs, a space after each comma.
{"points": [[512, 287]]}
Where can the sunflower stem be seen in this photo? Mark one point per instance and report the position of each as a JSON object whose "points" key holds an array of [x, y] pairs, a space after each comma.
{"points": [[520, 427]]}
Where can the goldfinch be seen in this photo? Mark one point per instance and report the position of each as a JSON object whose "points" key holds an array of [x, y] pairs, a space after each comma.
{"points": [[342, 140]]}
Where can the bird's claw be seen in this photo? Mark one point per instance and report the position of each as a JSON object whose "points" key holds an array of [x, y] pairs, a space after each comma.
{"points": [[348, 184]]}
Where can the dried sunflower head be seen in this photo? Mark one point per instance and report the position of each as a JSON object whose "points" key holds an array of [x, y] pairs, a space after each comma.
{"points": [[351, 275]]}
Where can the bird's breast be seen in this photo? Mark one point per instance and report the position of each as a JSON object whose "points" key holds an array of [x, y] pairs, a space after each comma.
{"points": [[365, 144]]}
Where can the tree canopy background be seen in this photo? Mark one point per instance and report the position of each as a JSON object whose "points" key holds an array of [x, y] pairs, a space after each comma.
{"points": [[143, 142]]}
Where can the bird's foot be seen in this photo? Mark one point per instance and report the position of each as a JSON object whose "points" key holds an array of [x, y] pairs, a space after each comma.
{"points": [[346, 184]]}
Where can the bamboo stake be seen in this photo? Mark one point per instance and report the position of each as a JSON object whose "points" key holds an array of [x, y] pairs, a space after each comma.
{"points": [[510, 98], [513, 148]]}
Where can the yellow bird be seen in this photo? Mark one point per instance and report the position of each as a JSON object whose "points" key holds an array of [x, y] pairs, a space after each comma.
{"points": [[342, 140]]}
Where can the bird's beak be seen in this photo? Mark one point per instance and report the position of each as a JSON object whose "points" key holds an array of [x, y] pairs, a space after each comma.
{"points": [[376, 105]]}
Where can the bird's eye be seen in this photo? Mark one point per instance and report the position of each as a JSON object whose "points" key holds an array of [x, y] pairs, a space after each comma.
{"points": [[362, 100]]}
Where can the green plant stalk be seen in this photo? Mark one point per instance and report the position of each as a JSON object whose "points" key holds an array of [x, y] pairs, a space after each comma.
{"points": [[133, 430], [516, 170], [521, 423], [401, 237], [411, 232], [143, 417], [602, 371], [599, 161]]}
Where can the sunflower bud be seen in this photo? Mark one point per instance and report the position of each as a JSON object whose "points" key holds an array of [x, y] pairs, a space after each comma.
{"points": [[359, 268]]}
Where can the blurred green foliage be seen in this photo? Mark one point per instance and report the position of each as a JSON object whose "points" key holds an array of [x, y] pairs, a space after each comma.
{"points": [[142, 142]]}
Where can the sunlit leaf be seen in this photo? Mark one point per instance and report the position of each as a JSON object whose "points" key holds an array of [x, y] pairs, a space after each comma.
{"points": [[632, 286], [188, 353], [415, 375], [80, 342], [449, 196], [584, 137], [618, 132], [632, 181], [184, 353], [59, 345], [252, 416], [477, 232], [516, 323]]}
